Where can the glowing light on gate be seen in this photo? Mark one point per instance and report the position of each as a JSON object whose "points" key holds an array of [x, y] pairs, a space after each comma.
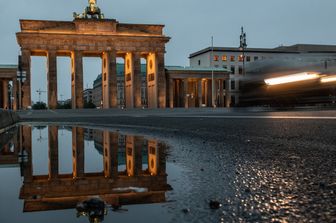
{"points": [[292, 78], [328, 79]]}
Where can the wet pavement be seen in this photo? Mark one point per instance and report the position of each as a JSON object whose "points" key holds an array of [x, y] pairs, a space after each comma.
{"points": [[73, 173], [257, 169]]}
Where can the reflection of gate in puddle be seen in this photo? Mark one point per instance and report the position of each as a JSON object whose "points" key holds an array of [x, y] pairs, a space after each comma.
{"points": [[56, 191]]}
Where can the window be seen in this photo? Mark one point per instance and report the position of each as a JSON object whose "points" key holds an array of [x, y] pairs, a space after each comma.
{"points": [[248, 58], [224, 66], [241, 58], [233, 101], [256, 58], [232, 58], [233, 87], [216, 58], [224, 58], [240, 70], [239, 84], [199, 62], [232, 69]]}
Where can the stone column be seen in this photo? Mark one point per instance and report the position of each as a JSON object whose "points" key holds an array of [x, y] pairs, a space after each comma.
{"points": [[16, 141], [107, 154], [129, 81], [185, 93], [130, 155], [53, 152], [78, 152], [105, 81], [26, 86], [136, 58], [161, 150], [161, 76], [182, 97], [216, 92], [152, 79], [110, 142], [112, 70], [1, 94], [199, 92], [26, 142], [221, 93], [171, 92], [227, 93], [52, 79], [213, 92], [109, 80], [206, 92], [178, 92], [114, 139], [134, 146], [15, 101], [153, 154], [77, 80], [5, 94], [209, 95], [138, 146]]}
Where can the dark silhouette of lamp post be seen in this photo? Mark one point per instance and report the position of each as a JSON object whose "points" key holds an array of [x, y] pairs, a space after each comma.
{"points": [[21, 76], [243, 46]]}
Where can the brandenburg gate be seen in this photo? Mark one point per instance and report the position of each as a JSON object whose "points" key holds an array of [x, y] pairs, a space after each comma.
{"points": [[90, 35]]}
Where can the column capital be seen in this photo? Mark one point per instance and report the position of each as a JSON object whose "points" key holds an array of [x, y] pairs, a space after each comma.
{"points": [[80, 52], [25, 50], [137, 53], [113, 51], [51, 53], [160, 53]]}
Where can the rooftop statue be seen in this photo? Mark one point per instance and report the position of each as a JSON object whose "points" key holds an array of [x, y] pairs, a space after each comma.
{"points": [[91, 10]]}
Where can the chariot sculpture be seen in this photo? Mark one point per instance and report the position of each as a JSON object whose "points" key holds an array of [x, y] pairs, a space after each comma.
{"points": [[91, 11]]}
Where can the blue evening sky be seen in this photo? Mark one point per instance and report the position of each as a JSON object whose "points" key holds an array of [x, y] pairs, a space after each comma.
{"points": [[190, 23]]}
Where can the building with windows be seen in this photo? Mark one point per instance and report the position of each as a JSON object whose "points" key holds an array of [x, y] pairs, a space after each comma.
{"points": [[87, 94], [237, 61], [8, 86], [97, 87]]}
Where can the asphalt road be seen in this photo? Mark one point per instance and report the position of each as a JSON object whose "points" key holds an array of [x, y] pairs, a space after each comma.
{"points": [[262, 166]]}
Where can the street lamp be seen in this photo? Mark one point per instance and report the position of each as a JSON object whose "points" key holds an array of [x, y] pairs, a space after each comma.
{"points": [[213, 98], [21, 75], [243, 46]]}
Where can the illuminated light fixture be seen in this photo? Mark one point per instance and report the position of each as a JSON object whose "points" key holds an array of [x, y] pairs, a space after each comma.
{"points": [[292, 78], [328, 79]]}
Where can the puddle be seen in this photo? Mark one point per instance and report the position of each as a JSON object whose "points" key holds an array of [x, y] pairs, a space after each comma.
{"points": [[73, 174], [69, 174]]}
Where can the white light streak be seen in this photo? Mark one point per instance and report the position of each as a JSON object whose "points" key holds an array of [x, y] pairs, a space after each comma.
{"points": [[328, 79], [292, 78]]}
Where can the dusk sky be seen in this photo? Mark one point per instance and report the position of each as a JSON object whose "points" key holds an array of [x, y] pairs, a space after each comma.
{"points": [[190, 24]]}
